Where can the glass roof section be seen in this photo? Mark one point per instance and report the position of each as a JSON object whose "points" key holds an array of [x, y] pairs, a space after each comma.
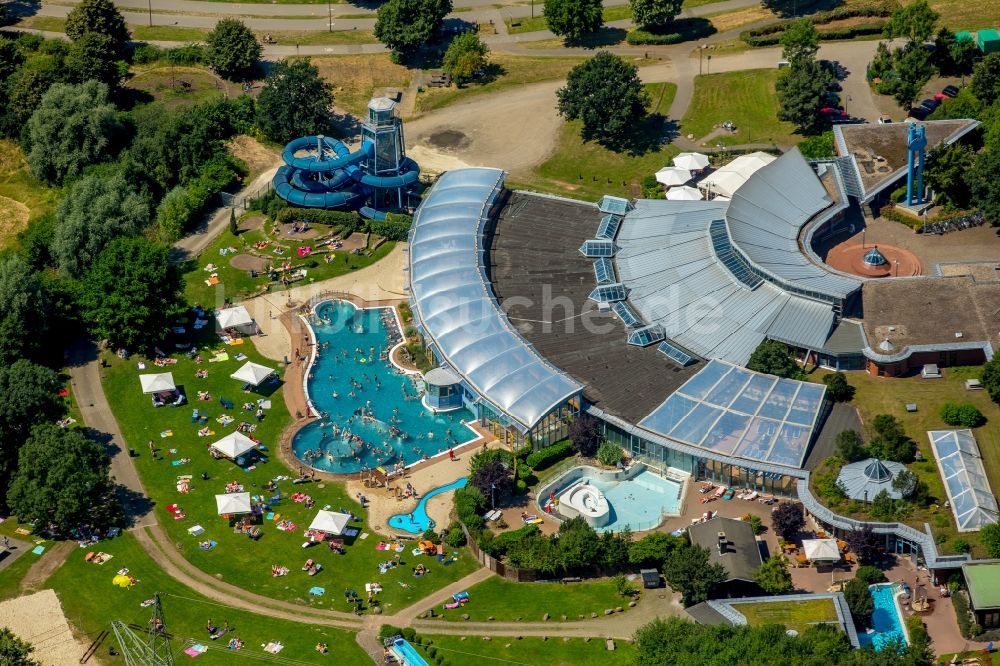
{"points": [[727, 255], [455, 307], [625, 313], [609, 226], [961, 467], [598, 248], [609, 293], [647, 335], [675, 354], [614, 205], [604, 271], [733, 411]]}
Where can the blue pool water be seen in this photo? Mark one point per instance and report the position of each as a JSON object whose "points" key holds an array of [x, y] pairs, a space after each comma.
{"points": [[407, 653], [638, 503], [886, 625], [421, 522], [371, 411]]}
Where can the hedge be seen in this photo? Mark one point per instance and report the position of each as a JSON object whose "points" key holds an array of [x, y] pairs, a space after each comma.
{"points": [[502, 542], [395, 227], [681, 30], [546, 457], [347, 220], [770, 35]]}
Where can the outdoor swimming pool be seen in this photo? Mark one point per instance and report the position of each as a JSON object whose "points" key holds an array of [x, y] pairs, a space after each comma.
{"points": [[420, 521], [371, 411], [636, 499], [886, 624]]}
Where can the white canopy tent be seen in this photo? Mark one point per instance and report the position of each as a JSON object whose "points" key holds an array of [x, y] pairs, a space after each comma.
{"points": [[684, 193], [691, 161], [234, 317], [234, 445], [728, 179], [163, 381], [253, 373], [671, 176], [233, 503], [821, 550], [330, 522]]}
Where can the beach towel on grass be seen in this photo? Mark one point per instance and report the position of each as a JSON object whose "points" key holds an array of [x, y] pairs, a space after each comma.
{"points": [[317, 591]]}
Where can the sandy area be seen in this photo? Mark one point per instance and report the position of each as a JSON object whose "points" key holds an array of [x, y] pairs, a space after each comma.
{"points": [[258, 157], [434, 162], [39, 619]]}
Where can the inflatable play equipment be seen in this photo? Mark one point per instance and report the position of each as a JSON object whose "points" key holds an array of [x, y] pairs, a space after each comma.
{"points": [[321, 172]]}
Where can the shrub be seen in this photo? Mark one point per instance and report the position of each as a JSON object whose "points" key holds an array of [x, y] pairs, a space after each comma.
{"points": [[837, 388], [520, 486], [543, 458], [344, 219], [501, 543], [456, 537], [388, 630], [965, 624], [610, 454], [409, 634], [962, 546], [770, 35], [870, 575], [677, 31], [432, 536], [961, 414]]}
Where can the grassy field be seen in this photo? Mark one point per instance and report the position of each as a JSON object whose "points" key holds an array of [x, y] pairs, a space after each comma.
{"points": [[237, 559], [796, 615], [589, 170], [747, 99], [322, 37], [168, 33], [512, 71], [723, 21], [180, 86], [506, 601], [22, 196], [875, 395], [456, 650], [959, 15], [356, 77], [91, 603]]}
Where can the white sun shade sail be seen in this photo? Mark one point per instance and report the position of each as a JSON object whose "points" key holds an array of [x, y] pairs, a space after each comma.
{"points": [[235, 316], [163, 381], [671, 176], [691, 161], [330, 522], [821, 550], [234, 445], [684, 193], [253, 373], [233, 503]]}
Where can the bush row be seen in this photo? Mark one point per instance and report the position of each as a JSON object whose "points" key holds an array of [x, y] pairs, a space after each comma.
{"points": [[774, 38], [395, 227], [189, 54], [681, 30], [549, 455], [917, 223], [498, 546], [769, 35]]}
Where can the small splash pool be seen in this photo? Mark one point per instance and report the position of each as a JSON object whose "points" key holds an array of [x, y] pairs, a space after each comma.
{"points": [[887, 627], [418, 521]]}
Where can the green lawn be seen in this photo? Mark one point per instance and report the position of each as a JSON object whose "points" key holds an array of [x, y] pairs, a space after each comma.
{"points": [[168, 33], [959, 15], [534, 24], [322, 37], [879, 395], [459, 651], [507, 601], [236, 559], [589, 170], [47, 23], [33, 198], [91, 603], [181, 85], [237, 284], [746, 98], [796, 615]]}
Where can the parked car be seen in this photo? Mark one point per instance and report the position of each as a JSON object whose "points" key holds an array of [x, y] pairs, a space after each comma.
{"points": [[950, 91], [930, 104], [884, 120], [918, 112], [831, 111]]}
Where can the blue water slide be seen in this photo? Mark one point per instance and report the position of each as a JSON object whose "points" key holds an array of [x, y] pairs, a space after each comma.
{"points": [[313, 162], [346, 198]]}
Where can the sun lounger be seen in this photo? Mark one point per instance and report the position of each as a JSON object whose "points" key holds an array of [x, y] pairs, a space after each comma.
{"points": [[453, 605], [721, 491]]}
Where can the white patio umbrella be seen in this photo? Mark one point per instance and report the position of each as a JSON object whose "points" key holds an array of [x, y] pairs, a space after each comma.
{"points": [[235, 316], [821, 550], [684, 193], [331, 522], [671, 176], [233, 503], [253, 373], [691, 161], [234, 445], [163, 381]]}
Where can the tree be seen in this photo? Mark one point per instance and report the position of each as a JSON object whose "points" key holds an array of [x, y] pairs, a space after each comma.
{"points": [[961, 414], [985, 83], [864, 543], [799, 42], [605, 93], [882, 506], [654, 14], [800, 90], [101, 17], [869, 575], [850, 446], [14, 651], [881, 64], [28, 395], [984, 188], [96, 211], [24, 91], [773, 358], [653, 549], [818, 146], [946, 171], [837, 388], [70, 129], [585, 434], [294, 101], [572, 19], [406, 25], [773, 575], [10, 58], [466, 55], [890, 441], [613, 549], [233, 50], [909, 485], [964, 54], [23, 311], [537, 552], [61, 476], [131, 293], [93, 57], [689, 571], [859, 601], [578, 545], [494, 480], [915, 22], [911, 70], [483, 458], [787, 520], [610, 454], [234, 225], [989, 537]]}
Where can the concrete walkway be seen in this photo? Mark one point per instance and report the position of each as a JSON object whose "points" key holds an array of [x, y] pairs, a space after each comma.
{"points": [[13, 552]]}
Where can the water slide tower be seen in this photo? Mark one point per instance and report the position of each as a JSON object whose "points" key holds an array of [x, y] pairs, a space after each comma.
{"points": [[916, 148]]}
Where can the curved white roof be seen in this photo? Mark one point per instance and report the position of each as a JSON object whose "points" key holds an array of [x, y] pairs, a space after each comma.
{"points": [[454, 302]]}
